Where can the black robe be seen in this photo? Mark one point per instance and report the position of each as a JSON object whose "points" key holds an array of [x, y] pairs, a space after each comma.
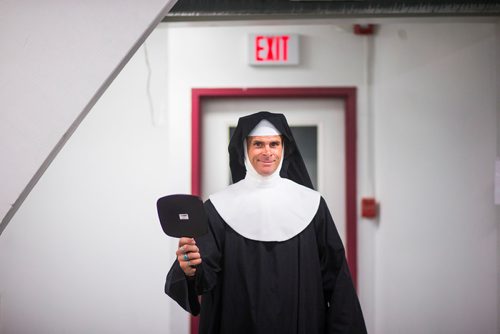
{"points": [[301, 285]]}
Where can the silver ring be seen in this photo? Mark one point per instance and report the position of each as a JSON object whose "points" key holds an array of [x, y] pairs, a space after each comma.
{"points": [[186, 257], [189, 263]]}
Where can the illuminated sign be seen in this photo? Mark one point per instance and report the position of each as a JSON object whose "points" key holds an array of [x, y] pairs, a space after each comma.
{"points": [[274, 49]]}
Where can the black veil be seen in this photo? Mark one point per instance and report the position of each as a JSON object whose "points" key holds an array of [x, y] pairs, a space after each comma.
{"points": [[293, 167]]}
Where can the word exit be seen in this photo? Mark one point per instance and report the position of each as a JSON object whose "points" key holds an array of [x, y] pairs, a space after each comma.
{"points": [[274, 49]]}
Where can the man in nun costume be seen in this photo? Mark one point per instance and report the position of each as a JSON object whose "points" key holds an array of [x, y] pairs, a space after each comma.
{"points": [[273, 261]]}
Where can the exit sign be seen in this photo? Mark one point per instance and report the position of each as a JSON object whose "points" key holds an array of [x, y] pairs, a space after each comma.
{"points": [[282, 49]]}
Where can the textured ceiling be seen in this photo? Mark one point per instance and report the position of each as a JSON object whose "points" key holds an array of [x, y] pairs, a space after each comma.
{"points": [[245, 9]]}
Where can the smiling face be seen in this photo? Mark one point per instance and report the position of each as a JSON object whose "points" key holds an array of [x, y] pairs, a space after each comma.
{"points": [[264, 153]]}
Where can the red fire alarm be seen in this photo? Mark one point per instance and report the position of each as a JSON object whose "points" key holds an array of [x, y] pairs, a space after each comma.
{"points": [[364, 29], [368, 207]]}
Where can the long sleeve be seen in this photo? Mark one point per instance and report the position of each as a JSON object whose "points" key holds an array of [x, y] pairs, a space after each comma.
{"points": [[182, 289], [344, 313]]}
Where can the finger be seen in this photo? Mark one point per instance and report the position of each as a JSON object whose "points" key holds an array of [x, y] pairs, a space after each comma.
{"points": [[188, 256], [186, 241], [183, 241], [191, 248], [189, 268], [183, 257], [181, 250], [194, 255], [187, 249], [190, 263], [193, 263]]}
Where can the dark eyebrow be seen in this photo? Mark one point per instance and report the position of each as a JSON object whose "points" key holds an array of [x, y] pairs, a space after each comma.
{"points": [[261, 142]]}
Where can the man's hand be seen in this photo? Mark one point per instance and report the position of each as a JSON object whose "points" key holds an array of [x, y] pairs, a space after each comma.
{"points": [[188, 255]]}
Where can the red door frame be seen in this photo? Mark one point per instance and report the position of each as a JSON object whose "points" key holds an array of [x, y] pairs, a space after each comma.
{"points": [[347, 94]]}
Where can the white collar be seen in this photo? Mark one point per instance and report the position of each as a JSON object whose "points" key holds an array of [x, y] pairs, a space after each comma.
{"points": [[266, 208]]}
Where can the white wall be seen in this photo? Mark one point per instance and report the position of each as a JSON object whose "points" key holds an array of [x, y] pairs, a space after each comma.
{"points": [[88, 241], [57, 59], [86, 253], [436, 246]]}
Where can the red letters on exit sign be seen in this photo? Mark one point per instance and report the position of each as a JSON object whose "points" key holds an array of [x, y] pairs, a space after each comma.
{"points": [[271, 48], [274, 49]]}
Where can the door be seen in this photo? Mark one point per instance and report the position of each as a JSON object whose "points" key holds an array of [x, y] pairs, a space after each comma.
{"points": [[315, 107], [318, 125]]}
